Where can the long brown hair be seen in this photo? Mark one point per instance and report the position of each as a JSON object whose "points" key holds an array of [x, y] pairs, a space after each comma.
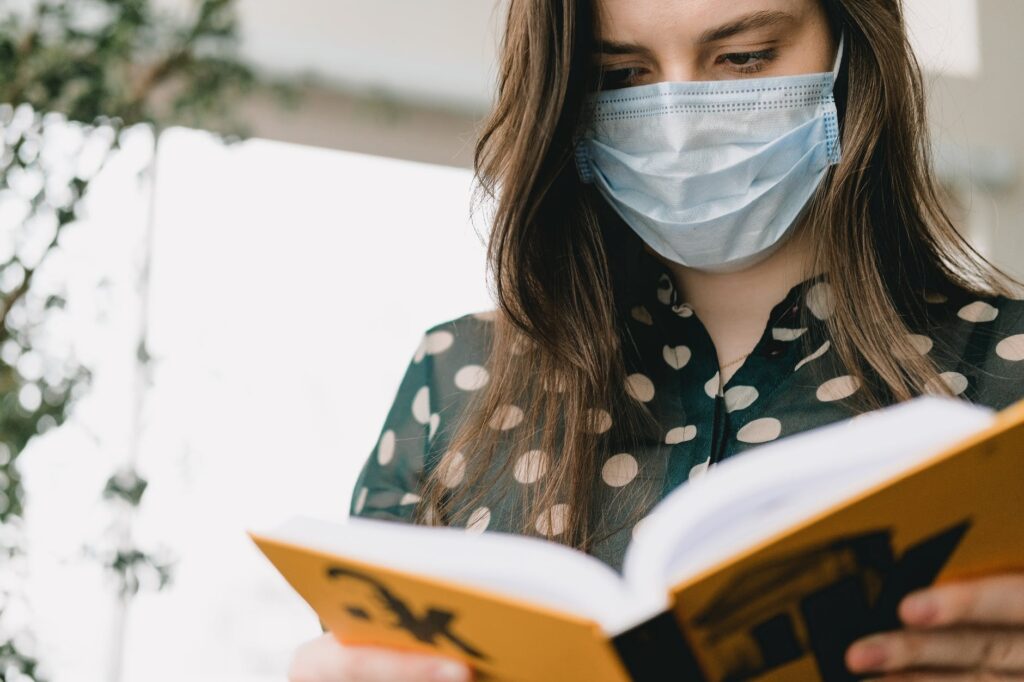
{"points": [[557, 347]]}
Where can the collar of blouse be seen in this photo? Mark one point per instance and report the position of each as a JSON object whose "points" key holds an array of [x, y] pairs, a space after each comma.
{"points": [[667, 336]]}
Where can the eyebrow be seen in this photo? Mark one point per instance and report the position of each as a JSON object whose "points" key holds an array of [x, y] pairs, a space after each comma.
{"points": [[750, 22], [761, 19]]}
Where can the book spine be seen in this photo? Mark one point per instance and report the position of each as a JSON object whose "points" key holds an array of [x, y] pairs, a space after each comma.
{"points": [[657, 650]]}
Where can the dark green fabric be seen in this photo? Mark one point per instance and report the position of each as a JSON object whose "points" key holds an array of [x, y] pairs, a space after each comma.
{"points": [[790, 383]]}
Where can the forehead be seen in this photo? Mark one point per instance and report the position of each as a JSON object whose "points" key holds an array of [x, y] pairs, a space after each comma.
{"points": [[636, 20]]}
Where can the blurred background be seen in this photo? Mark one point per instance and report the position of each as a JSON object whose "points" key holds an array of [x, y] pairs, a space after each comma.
{"points": [[213, 221]]}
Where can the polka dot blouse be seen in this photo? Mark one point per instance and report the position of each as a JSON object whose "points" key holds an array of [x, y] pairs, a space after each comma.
{"points": [[791, 382]]}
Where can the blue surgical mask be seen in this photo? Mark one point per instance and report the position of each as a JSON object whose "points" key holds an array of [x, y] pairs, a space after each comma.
{"points": [[712, 174]]}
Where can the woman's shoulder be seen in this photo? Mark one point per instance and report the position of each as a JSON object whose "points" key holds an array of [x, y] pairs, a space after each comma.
{"points": [[455, 350], [988, 318], [452, 357], [469, 333], [447, 365], [445, 370], [986, 335]]}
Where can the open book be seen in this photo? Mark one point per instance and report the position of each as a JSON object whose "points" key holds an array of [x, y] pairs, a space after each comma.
{"points": [[766, 567]]}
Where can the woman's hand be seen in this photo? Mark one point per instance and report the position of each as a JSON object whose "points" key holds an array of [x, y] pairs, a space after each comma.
{"points": [[325, 660], [958, 631]]}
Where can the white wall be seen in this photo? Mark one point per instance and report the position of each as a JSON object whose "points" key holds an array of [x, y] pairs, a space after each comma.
{"points": [[945, 35], [290, 288], [976, 123], [444, 51]]}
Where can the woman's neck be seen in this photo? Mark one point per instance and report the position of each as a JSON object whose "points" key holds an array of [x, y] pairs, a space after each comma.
{"points": [[734, 306]]}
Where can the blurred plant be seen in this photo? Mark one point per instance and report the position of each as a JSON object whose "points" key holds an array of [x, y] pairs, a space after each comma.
{"points": [[75, 76]]}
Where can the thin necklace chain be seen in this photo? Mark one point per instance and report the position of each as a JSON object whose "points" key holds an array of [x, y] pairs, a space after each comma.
{"points": [[733, 362]]}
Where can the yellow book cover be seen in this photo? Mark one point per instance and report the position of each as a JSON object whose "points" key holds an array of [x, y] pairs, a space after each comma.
{"points": [[765, 568]]}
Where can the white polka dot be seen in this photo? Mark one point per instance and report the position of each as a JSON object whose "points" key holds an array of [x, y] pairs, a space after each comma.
{"points": [[922, 345], [711, 386], [421, 405], [813, 356], [619, 469], [681, 434], [934, 297], [821, 300], [421, 350], [506, 417], [979, 311], [598, 420], [1011, 348], [435, 421], [361, 499], [665, 289], [478, 520], [698, 470], [554, 520], [640, 387], [740, 397], [386, 447], [471, 377], [838, 388], [785, 334], [676, 356], [439, 342], [530, 466], [955, 382], [760, 430], [452, 468], [486, 315], [408, 498], [642, 315], [683, 310]]}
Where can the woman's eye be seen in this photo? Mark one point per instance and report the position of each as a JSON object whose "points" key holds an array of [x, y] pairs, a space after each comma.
{"points": [[619, 78], [747, 62]]}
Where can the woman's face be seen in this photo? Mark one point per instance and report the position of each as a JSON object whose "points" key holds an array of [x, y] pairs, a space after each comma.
{"points": [[647, 41]]}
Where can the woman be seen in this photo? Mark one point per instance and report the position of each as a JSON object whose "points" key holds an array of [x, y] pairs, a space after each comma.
{"points": [[716, 226]]}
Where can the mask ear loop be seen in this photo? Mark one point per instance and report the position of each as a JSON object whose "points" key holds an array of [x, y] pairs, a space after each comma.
{"points": [[580, 151], [839, 56], [832, 119]]}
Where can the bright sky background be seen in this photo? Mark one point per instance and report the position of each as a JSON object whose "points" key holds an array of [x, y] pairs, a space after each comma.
{"points": [[444, 51], [290, 289]]}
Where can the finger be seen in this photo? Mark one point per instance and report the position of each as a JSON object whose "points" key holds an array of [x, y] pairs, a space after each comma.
{"points": [[933, 676], [990, 650], [993, 600], [315, 660], [325, 660], [373, 664]]}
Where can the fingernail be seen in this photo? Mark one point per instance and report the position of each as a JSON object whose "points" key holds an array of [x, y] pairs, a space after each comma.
{"points": [[867, 656], [920, 608], [450, 671]]}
